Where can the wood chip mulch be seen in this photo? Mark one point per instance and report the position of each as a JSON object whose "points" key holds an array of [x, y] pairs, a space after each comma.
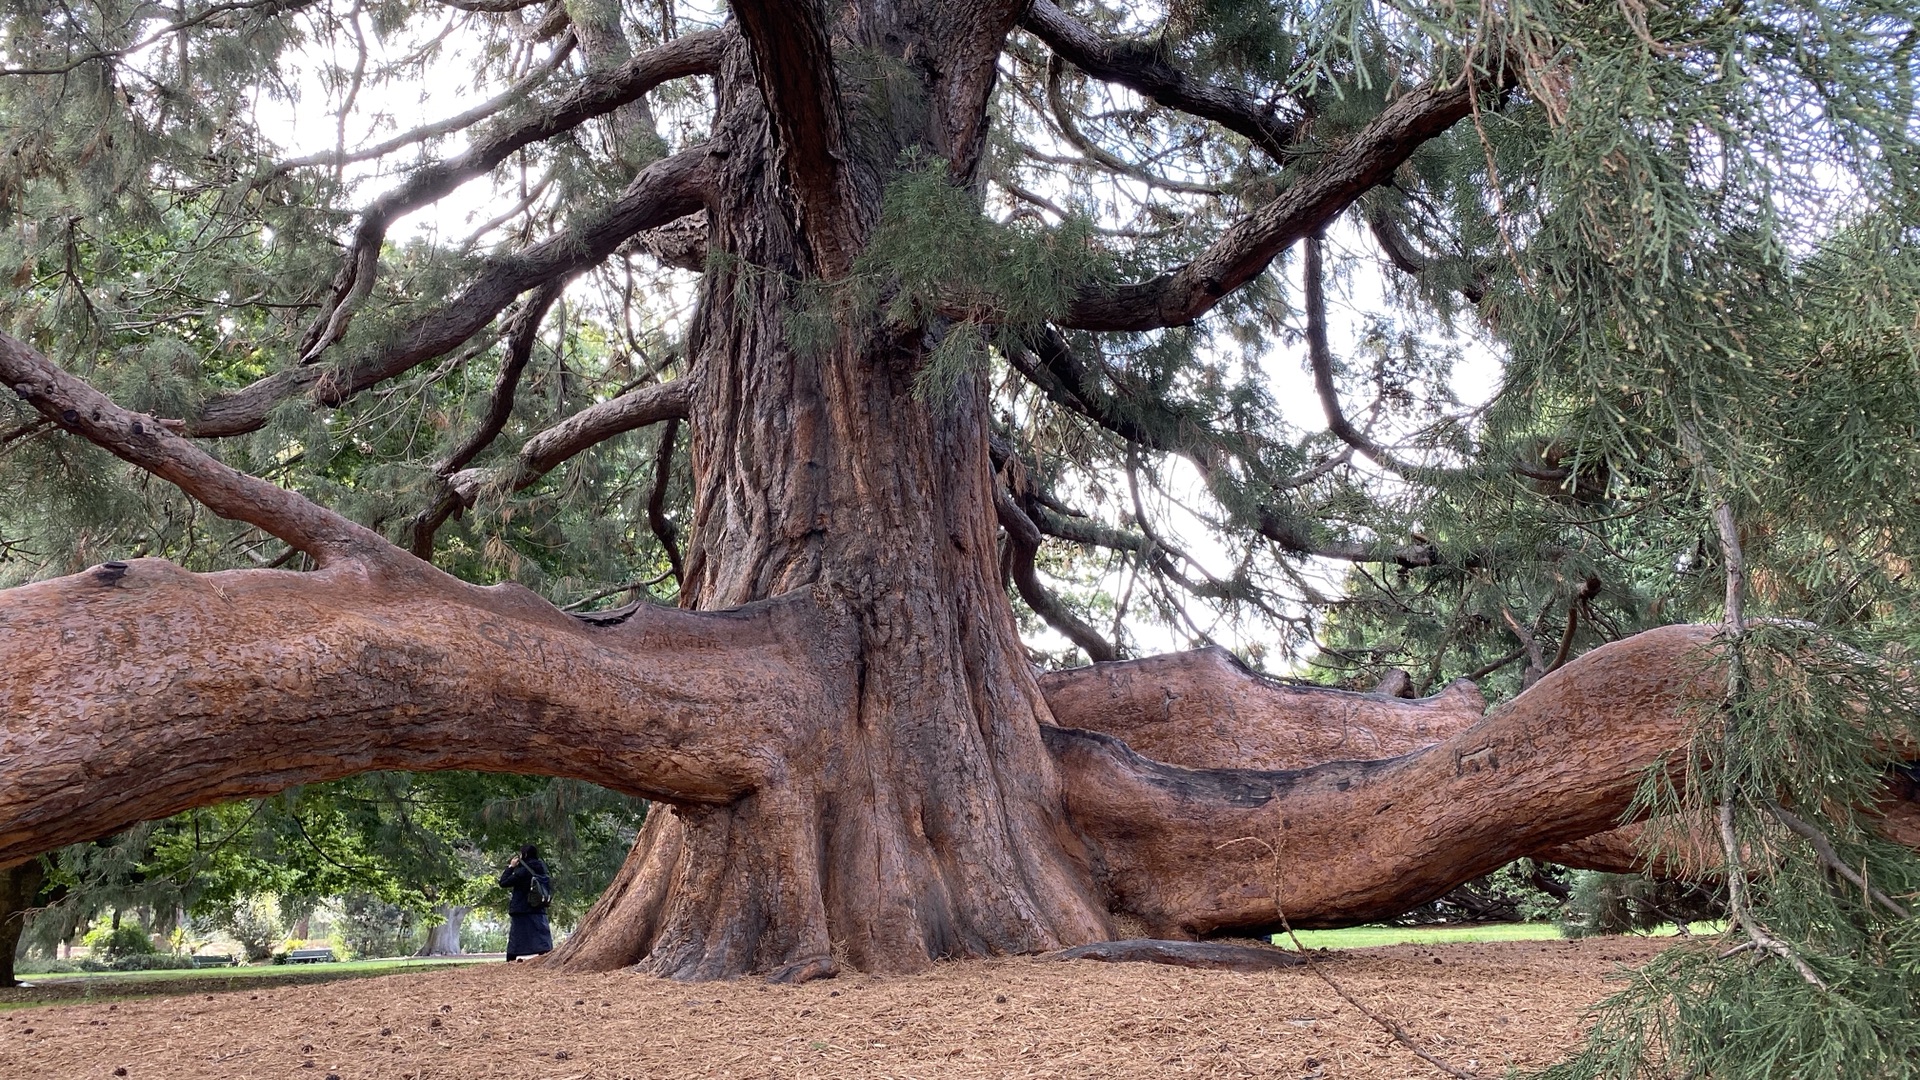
{"points": [[1480, 1007]]}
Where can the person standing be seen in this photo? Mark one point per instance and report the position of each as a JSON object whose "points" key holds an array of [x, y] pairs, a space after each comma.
{"points": [[527, 931]]}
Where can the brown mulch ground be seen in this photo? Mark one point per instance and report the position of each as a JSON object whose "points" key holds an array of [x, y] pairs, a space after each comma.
{"points": [[1480, 1006]]}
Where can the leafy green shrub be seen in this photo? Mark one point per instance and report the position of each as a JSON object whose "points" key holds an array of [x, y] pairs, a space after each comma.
{"points": [[157, 961], [46, 967], [1633, 903], [112, 943], [254, 924]]}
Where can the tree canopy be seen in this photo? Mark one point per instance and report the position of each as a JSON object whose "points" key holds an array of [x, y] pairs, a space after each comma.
{"points": [[1153, 326]]}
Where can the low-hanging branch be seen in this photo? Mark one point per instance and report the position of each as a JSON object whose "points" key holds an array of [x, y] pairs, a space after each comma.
{"points": [[663, 192]]}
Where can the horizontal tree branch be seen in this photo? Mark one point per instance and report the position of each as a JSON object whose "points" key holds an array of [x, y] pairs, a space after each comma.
{"points": [[1559, 762], [596, 95], [1240, 254], [589, 427], [664, 191], [1141, 66], [247, 682]]}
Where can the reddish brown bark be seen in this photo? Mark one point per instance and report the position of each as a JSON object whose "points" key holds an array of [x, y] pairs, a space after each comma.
{"points": [[854, 759]]}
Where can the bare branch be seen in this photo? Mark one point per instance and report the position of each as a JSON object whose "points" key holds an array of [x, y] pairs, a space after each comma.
{"points": [[1023, 539], [438, 128], [1320, 355], [1063, 116], [1400, 252], [663, 191], [520, 342], [1141, 67], [586, 428], [657, 519], [596, 95], [148, 443], [1240, 254]]}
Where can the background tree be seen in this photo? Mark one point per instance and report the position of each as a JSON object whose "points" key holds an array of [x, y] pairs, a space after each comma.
{"points": [[971, 285]]}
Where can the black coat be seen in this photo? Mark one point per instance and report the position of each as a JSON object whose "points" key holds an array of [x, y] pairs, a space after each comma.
{"points": [[519, 877]]}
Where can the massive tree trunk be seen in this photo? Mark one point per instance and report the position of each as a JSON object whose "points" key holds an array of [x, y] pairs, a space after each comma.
{"points": [[860, 766]]}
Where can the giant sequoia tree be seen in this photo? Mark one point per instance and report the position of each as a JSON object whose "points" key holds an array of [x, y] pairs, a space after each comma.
{"points": [[980, 294]]}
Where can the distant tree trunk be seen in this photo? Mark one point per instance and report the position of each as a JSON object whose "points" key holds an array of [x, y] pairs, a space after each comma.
{"points": [[443, 937], [19, 886]]}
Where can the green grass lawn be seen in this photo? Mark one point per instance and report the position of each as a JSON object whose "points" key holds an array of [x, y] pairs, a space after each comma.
{"points": [[1362, 937], [80, 987]]}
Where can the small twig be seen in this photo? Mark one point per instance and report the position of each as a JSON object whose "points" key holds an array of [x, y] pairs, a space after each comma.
{"points": [[1824, 848], [1759, 937], [1385, 1024]]}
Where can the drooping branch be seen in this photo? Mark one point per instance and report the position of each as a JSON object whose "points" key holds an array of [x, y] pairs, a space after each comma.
{"points": [[247, 682], [520, 341], [1320, 357], [597, 94], [657, 519], [662, 192], [1180, 296], [1023, 543], [148, 443], [590, 426], [1141, 66]]}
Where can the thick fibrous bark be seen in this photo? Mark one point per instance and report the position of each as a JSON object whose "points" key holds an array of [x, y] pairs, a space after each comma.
{"points": [[1354, 841], [248, 682], [854, 760]]}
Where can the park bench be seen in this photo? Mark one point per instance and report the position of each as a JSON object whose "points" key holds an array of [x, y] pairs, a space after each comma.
{"points": [[213, 961], [310, 956]]}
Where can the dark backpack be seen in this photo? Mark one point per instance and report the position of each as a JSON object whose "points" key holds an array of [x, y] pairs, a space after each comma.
{"points": [[539, 893]]}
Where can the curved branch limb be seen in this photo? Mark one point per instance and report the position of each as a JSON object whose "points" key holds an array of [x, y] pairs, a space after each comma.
{"points": [[520, 341], [661, 193], [150, 444], [1244, 250], [596, 95], [657, 519], [248, 682], [1023, 541], [588, 427], [1206, 710], [1141, 67], [1362, 840]]}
